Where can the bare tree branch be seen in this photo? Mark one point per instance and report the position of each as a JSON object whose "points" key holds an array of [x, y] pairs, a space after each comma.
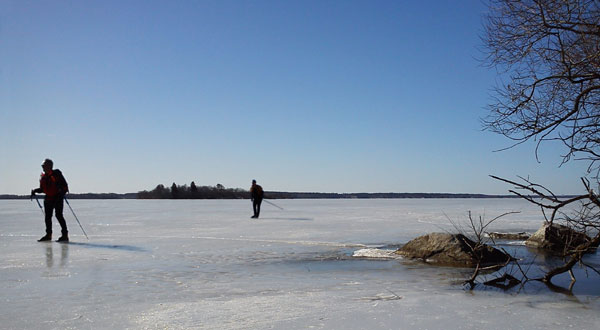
{"points": [[550, 55]]}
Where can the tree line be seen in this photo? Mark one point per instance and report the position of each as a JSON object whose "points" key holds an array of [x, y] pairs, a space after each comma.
{"points": [[220, 192], [193, 192]]}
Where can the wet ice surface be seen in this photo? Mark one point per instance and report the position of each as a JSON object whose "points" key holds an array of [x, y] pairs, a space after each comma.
{"points": [[205, 264]]}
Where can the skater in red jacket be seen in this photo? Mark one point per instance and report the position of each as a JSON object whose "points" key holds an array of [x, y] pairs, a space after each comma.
{"points": [[54, 185]]}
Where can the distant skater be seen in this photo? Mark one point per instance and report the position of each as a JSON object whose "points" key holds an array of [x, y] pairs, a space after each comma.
{"points": [[54, 185], [256, 195]]}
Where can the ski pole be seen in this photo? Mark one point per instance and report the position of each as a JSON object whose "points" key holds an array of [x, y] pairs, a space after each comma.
{"points": [[281, 208], [40, 205], [80, 226]]}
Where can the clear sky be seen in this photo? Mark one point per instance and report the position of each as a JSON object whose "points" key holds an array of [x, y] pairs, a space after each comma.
{"points": [[327, 96]]}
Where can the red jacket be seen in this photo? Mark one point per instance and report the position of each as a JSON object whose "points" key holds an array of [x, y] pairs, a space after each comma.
{"points": [[53, 184]]}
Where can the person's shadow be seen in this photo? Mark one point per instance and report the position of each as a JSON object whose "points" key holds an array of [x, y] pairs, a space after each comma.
{"points": [[286, 219], [108, 246]]}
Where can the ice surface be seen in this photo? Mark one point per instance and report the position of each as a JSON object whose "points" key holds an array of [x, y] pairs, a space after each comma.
{"points": [[376, 253], [181, 264]]}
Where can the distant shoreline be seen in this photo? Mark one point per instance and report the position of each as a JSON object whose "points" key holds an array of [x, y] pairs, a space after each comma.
{"points": [[282, 195]]}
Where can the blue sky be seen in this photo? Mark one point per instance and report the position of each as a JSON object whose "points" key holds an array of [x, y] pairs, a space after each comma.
{"points": [[328, 96]]}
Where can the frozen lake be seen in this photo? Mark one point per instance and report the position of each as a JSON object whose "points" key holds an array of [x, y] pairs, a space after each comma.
{"points": [[180, 264]]}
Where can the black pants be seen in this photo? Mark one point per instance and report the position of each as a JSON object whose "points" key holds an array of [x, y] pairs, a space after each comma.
{"points": [[55, 204], [256, 206]]}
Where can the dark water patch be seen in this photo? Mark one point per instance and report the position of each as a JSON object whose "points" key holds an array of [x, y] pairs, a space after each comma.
{"points": [[536, 263]]}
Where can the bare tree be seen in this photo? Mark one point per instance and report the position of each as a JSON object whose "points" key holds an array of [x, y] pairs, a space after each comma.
{"points": [[548, 52]]}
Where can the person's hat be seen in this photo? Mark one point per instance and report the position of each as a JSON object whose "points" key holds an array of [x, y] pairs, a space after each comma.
{"points": [[48, 161]]}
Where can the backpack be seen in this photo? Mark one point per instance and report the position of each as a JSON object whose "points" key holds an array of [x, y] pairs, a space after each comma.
{"points": [[61, 182], [257, 192]]}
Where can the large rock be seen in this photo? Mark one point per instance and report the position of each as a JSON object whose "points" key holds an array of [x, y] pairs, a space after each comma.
{"points": [[557, 238], [451, 250]]}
